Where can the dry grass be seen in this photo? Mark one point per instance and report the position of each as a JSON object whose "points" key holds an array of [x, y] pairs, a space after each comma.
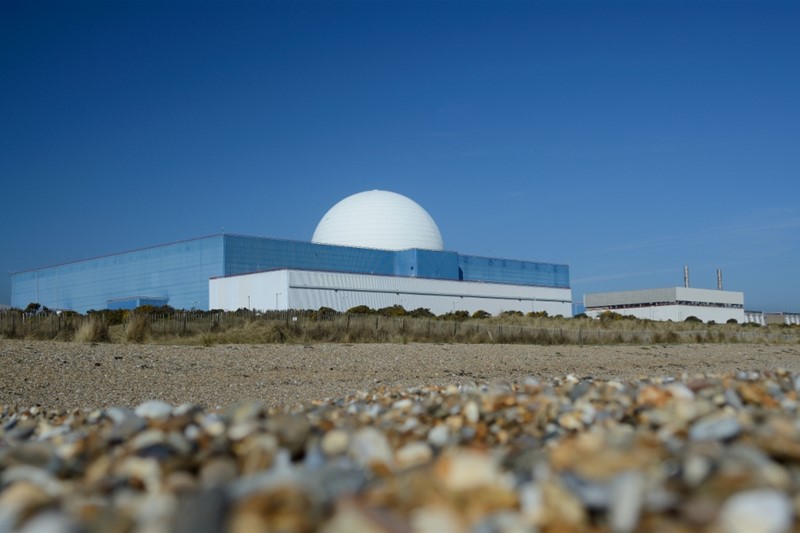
{"points": [[296, 327], [92, 330], [137, 328]]}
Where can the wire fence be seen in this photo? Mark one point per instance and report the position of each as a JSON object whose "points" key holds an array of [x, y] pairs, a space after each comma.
{"points": [[316, 326]]}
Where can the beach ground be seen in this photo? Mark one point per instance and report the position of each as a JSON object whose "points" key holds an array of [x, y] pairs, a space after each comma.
{"points": [[68, 375]]}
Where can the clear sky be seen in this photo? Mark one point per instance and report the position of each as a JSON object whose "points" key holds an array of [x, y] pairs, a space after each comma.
{"points": [[625, 139]]}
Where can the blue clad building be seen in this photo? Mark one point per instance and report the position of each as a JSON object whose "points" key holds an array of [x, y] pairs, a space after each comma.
{"points": [[179, 274]]}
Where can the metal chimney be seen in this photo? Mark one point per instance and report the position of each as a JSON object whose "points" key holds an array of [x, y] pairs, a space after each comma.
{"points": [[686, 276], [719, 279]]}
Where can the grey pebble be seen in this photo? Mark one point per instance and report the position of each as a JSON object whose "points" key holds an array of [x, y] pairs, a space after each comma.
{"points": [[715, 427]]}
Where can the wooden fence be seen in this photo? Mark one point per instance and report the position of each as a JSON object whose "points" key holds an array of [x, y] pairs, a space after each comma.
{"points": [[312, 326]]}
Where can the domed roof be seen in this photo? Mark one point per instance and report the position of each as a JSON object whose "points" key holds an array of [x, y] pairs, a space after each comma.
{"points": [[379, 219]]}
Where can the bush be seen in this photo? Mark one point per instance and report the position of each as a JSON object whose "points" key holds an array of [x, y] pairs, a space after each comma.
{"points": [[607, 316], [693, 319], [323, 313], [112, 317], [539, 314], [153, 310], [480, 313], [731, 321], [505, 314], [394, 310], [359, 310], [455, 315], [421, 312]]}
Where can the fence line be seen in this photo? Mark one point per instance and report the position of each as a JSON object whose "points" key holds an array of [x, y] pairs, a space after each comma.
{"points": [[313, 326]]}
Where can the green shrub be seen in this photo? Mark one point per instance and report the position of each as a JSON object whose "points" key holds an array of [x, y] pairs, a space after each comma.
{"points": [[694, 319], [154, 310], [394, 310], [608, 316], [480, 313], [455, 315], [323, 313], [359, 310], [538, 314], [421, 312], [731, 321]]}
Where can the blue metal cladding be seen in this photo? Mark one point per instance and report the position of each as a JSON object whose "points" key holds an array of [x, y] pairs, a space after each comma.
{"points": [[436, 265], [178, 272], [133, 303], [255, 254], [405, 263], [494, 270]]}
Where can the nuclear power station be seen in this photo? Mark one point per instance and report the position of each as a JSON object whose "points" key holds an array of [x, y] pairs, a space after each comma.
{"points": [[375, 248]]}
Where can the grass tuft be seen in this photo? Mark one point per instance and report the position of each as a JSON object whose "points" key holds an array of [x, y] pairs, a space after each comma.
{"points": [[137, 328], [92, 330]]}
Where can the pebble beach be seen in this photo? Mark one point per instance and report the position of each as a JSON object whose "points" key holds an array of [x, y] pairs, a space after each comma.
{"points": [[399, 438]]}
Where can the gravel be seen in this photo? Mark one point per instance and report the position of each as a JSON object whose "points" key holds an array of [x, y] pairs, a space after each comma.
{"points": [[481, 439], [62, 375]]}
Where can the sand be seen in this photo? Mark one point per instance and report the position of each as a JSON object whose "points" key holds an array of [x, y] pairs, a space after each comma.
{"points": [[62, 375]]}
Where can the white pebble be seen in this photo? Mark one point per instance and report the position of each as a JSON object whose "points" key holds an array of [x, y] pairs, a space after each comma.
{"points": [[155, 409], [471, 412], [370, 446], [757, 511], [626, 501]]}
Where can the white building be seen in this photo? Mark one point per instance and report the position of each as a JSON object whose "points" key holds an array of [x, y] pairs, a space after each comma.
{"points": [[676, 304], [301, 289]]}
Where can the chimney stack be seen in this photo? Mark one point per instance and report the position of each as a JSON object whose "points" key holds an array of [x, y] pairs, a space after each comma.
{"points": [[686, 276], [719, 279]]}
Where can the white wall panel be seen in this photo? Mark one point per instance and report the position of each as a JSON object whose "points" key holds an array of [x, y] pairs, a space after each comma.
{"points": [[672, 294], [250, 291], [678, 313], [298, 289]]}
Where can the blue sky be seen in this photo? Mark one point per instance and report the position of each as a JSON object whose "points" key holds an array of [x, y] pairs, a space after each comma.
{"points": [[626, 139]]}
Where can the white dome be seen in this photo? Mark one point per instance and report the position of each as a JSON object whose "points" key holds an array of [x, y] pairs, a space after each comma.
{"points": [[379, 219]]}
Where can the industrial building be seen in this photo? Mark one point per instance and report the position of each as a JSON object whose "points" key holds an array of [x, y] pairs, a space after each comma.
{"points": [[675, 303], [374, 248]]}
